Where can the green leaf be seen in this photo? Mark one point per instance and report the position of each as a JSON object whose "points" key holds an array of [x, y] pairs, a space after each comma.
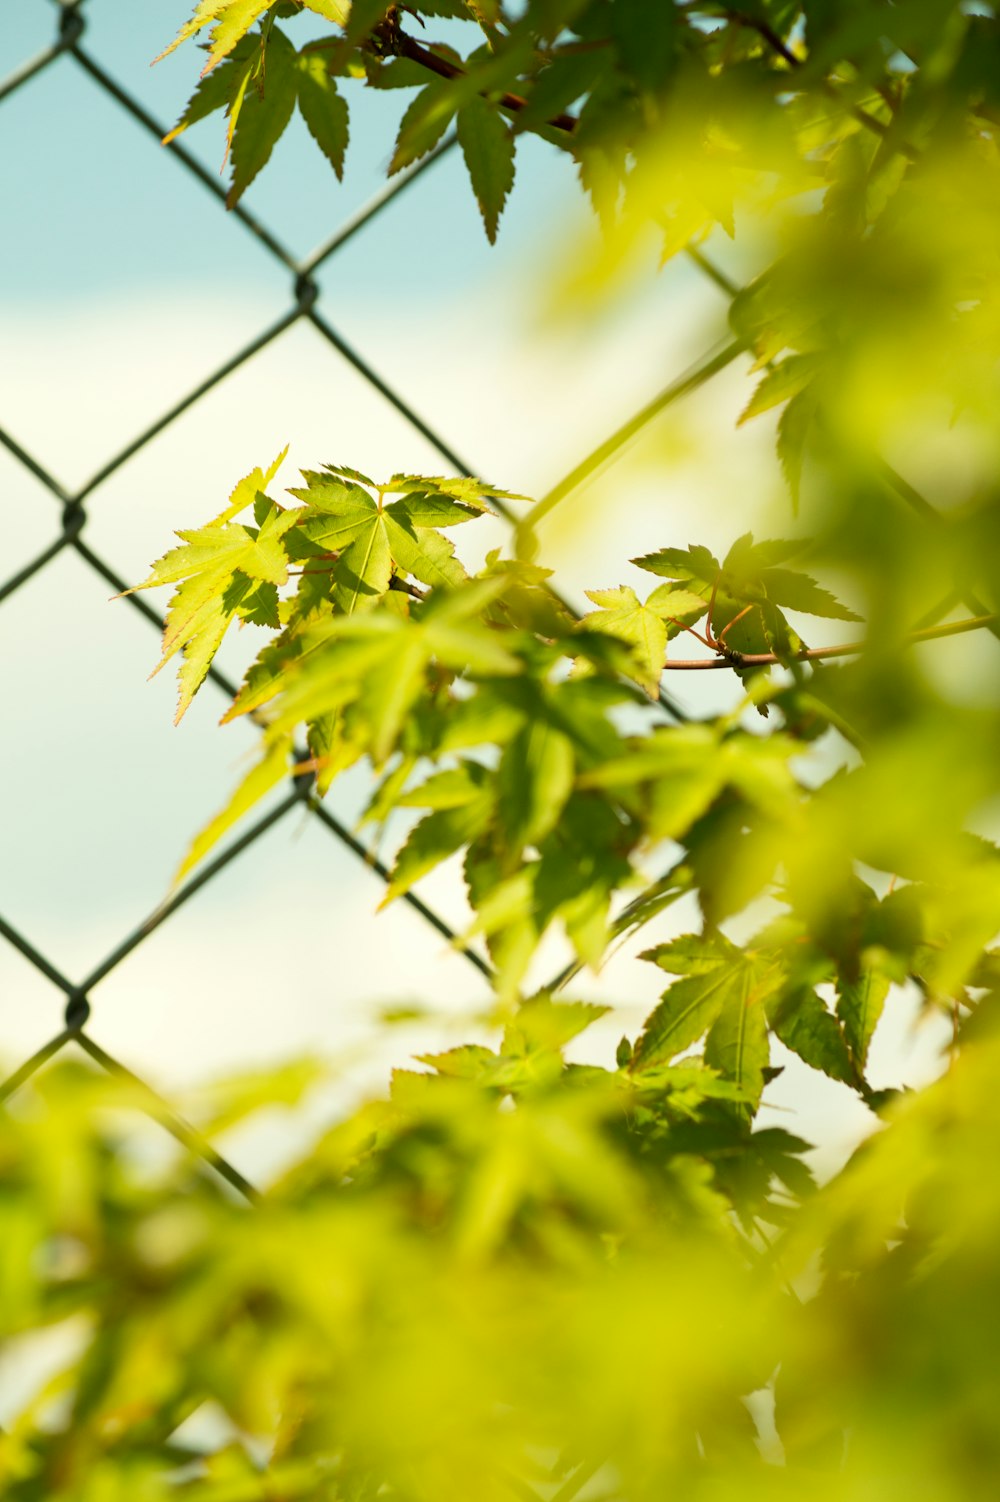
{"points": [[223, 549], [434, 839], [331, 748], [402, 533], [675, 605], [450, 789], [687, 565], [759, 767], [218, 566], [622, 614], [469, 491], [488, 147], [217, 90], [645, 37], [501, 905], [745, 555], [323, 109], [737, 1044], [343, 473], [257, 783], [478, 721], [388, 790], [260, 607], [543, 1023], [470, 1061], [555, 87], [692, 954], [797, 591], [749, 573], [534, 782], [394, 73], [230, 21], [431, 510], [780, 1154], [331, 10], [859, 1007], [345, 511], [801, 1020], [683, 769], [793, 430], [265, 111], [424, 123], [423, 553], [389, 691], [198, 644], [247, 490], [583, 862], [363, 16], [688, 1009], [782, 382], [454, 637], [362, 572]]}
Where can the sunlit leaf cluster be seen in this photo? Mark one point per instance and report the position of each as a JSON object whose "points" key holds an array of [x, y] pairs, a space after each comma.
{"points": [[510, 1269]]}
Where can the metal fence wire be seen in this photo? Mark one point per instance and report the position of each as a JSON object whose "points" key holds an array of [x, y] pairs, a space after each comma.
{"points": [[304, 306]]}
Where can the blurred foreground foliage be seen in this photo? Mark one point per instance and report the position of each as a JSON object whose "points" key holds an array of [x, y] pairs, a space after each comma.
{"points": [[512, 1278], [518, 1276]]}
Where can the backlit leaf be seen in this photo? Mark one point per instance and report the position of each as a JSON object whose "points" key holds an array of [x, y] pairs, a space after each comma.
{"points": [[785, 380], [535, 777], [323, 109], [424, 123], [230, 20], [488, 147], [622, 614], [694, 564], [688, 1009], [265, 111], [804, 1025], [859, 1007], [737, 1043], [258, 782]]}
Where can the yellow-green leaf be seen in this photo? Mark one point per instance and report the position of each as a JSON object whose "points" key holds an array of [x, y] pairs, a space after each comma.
{"points": [[622, 614]]}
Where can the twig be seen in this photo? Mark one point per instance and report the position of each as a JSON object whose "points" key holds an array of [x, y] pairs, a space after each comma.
{"points": [[736, 660], [774, 41], [400, 45]]}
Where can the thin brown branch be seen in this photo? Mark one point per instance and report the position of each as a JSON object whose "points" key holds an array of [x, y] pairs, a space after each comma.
{"points": [[782, 50], [400, 45], [767, 34], [737, 660]]}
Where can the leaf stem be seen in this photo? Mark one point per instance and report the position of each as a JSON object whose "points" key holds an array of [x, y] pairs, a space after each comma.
{"points": [[696, 376]]}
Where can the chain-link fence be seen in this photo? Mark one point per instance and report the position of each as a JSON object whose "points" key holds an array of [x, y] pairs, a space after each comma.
{"points": [[70, 533]]}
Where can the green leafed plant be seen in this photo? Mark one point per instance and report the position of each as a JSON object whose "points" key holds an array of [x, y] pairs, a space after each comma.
{"points": [[530, 1270]]}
